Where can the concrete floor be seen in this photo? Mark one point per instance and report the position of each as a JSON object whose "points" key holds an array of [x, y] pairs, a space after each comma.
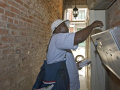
{"points": [[83, 84]]}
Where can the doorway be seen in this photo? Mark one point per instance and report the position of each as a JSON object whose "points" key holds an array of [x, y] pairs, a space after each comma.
{"points": [[77, 24]]}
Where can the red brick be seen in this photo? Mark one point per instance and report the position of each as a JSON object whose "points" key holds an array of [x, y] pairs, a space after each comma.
{"points": [[21, 23], [29, 25], [4, 45], [2, 24], [24, 19], [24, 34], [7, 38], [1, 10], [14, 33], [26, 6], [22, 28], [18, 31], [30, 17], [4, 17], [3, 31], [10, 57], [118, 13], [16, 45], [10, 20], [13, 26], [30, 21], [2, 4], [117, 23], [5, 0], [113, 83], [8, 51], [23, 9], [26, 24], [15, 10], [19, 1], [8, 13], [16, 21], [12, 3]]}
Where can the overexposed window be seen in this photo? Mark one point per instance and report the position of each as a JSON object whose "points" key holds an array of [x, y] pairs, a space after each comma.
{"points": [[81, 16]]}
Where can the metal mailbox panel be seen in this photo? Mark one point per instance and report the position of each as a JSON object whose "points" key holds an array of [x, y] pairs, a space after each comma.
{"points": [[116, 35], [108, 47]]}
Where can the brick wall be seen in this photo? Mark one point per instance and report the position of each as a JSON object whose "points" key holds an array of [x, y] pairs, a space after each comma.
{"points": [[113, 83], [114, 15], [24, 33]]}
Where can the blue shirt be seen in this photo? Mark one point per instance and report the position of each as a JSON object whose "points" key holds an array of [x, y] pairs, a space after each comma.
{"points": [[59, 47]]}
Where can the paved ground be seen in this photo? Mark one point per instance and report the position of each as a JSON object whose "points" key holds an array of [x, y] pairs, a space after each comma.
{"points": [[83, 85]]}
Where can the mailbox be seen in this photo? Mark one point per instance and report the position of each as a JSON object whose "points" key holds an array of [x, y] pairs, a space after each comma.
{"points": [[108, 46]]}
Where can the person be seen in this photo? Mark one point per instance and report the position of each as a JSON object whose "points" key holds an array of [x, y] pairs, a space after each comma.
{"points": [[62, 42]]}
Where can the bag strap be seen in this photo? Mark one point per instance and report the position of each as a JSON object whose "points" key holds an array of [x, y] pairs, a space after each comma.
{"points": [[48, 44]]}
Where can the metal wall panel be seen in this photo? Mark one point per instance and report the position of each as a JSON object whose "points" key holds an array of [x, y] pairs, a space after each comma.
{"points": [[107, 44]]}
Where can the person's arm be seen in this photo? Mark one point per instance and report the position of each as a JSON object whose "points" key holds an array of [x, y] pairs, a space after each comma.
{"points": [[82, 35]]}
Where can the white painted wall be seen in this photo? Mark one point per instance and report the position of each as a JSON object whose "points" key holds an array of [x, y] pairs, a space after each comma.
{"points": [[97, 69]]}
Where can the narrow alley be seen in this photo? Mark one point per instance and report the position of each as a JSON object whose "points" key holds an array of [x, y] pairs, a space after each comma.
{"points": [[25, 31]]}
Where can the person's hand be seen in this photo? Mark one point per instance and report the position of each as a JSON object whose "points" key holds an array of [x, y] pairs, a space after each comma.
{"points": [[78, 65], [97, 24]]}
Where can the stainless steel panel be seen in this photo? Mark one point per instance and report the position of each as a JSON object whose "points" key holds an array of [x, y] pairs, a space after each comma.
{"points": [[116, 35], [108, 46]]}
